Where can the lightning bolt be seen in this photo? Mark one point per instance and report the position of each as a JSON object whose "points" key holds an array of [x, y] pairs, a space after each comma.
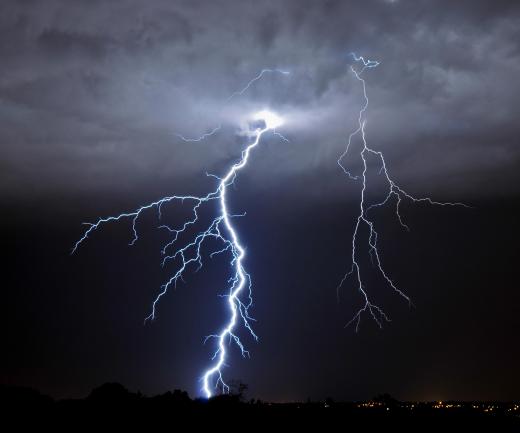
{"points": [[363, 218], [220, 229]]}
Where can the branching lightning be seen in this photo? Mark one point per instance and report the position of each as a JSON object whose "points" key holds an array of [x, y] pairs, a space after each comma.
{"points": [[363, 218], [232, 96], [220, 229]]}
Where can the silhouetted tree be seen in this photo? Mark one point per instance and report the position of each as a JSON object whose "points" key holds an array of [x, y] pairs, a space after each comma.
{"points": [[177, 397], [111, 393], [238, 389]]}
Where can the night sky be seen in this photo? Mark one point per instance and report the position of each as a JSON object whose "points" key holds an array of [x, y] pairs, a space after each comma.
{"points": [[92, 95]]}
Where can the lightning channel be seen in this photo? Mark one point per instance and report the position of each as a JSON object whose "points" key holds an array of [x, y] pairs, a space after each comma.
{"points": [[255, 79], [200, 138], [231, 97], [363, 218], [220, 231]]}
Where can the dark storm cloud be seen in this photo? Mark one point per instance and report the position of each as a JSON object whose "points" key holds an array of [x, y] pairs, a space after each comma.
{"points": [[89, 90]]}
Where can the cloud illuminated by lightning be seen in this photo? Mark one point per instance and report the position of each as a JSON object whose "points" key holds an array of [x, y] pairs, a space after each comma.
{"points": [[232, 96], [363, 218], [189, 254]]}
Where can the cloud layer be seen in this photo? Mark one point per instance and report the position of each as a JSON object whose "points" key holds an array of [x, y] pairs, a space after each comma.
{"points": [[92, 94]]}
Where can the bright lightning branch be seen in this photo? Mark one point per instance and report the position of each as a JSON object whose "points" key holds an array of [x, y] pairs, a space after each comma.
{"points": [[239, 295], [364, 218]]}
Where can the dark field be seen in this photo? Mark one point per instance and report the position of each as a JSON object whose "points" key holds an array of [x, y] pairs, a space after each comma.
{"points": [[112, 404]]}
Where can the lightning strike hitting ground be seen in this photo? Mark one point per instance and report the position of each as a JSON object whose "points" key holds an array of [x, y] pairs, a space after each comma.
{"points": [[363, 218], [220, 229]]}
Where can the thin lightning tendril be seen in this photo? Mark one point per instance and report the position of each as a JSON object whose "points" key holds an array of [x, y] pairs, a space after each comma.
{"points": [[202, 137], [258, 77], [394, 191], [232, 96], [189, 254]]}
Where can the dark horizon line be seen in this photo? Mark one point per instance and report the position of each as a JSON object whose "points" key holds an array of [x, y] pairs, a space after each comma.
{"points": [[120, 391]]}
